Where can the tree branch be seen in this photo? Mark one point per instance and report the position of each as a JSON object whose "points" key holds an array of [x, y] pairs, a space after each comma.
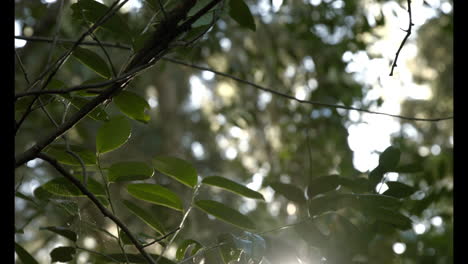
{"points": [[408, 33], [117, 45], [316, 103], [99, 205], [158, 49]]}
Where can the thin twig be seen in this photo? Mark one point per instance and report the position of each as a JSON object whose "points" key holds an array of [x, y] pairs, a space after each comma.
{"points": [[161, 238], [23, 69], [161, 6], [408, 33], [316, 103], [57, 30], [95, 200], [114, 72]]}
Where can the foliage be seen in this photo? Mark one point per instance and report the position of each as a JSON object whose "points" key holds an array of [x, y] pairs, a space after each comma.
{"points": [[183, 162]]}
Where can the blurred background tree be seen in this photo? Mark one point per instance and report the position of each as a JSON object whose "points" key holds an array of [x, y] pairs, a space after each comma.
{"points": [[309, 49]]}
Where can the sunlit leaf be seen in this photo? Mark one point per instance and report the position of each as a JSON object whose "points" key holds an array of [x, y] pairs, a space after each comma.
{"points": [[24, 255], [232, 186], [113, 134], [155, 194], [62, 254], [63, 231], [145, 216], [289, 191], [180, 254], [176, 168], [133, 105], [129, 171], [225, 213], [240, 12]]}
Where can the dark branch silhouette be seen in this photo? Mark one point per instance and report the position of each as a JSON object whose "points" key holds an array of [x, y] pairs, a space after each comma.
{"points": [[408, 33]]}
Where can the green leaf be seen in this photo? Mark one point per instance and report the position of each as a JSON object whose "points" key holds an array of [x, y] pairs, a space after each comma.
{"points": [[377, 200], [135, 258], [62, 254], [232, 186], [180, 254], [206, 19], [399, 190], [129, 171], [289, 191], [409, 168], [63, 231], [63, 187], [113, 134], [323, 184], [90, 11], [330, 202], [390, 217], [24, 255], [98, 113], [375, 176], [155, 194], [59, 152], [92, 60], [389, 159], [225, 213], [145, 216], [357, 185], [176, 168], [239, 11], [133, 105]]}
